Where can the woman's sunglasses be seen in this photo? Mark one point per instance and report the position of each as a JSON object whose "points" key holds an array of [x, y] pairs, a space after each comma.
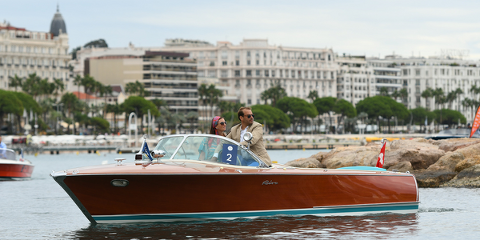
{"points": [[222, 123]]}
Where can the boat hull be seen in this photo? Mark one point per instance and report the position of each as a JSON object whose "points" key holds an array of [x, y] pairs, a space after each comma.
{"points": [[15, 169], [184, 197]]}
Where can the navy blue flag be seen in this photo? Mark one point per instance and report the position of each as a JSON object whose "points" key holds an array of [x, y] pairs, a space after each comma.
{"points": [[146, 151], [229, 154]]}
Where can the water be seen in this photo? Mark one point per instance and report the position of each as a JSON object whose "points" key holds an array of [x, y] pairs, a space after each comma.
{"points": [[40, 209]]}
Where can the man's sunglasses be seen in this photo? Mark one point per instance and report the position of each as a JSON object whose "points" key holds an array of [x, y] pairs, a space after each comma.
{"points": [[250, 115], [223, 123]]}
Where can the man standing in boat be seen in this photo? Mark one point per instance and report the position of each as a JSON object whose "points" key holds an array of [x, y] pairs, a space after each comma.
{"points": [[247, 124]]}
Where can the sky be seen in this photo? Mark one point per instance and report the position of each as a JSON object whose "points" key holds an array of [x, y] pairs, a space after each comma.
{"points": [[368, 27]]}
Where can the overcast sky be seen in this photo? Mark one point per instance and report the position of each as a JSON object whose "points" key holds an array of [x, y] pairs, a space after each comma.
{"points": [[372, 28]]}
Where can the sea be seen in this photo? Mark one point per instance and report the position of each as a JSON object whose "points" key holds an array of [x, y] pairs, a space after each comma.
{"points": [[39, 208]]}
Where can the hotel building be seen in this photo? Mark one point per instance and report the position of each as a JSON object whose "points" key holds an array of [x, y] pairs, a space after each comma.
{"points": [[23, 52]]}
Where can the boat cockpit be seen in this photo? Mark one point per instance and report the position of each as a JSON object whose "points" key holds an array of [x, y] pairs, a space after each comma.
{"points": [[208, 148], [8, 154]]}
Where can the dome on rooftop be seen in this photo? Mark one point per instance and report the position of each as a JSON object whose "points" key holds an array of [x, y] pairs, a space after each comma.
{"points": [[58, 24]]}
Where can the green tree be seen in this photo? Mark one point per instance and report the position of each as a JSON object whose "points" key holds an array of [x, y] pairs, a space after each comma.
{"points": [[427, 94], [274, 93], [384, 92], [101, 123], [345, 109], [135, 88], [140, 106], [403, 94], [70, 102], [380, 106], [275, 118], [298, 110], [325, 105], [213, 97], [313, 95], [9, 103], [15, 82], [449, 117]]}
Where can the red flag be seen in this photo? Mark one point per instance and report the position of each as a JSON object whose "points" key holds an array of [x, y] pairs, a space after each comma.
{"points": [[381, 156], [476, 122]]}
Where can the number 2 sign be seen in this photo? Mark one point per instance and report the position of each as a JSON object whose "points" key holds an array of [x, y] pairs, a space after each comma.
{"points": [[229, 154]]}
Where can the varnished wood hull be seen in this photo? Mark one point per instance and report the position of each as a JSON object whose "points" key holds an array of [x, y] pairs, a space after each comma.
{"points": [[228, 193]]}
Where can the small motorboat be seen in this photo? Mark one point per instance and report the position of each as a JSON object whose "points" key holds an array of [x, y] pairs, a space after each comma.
{"points": [[188, 182], [13, 168]]}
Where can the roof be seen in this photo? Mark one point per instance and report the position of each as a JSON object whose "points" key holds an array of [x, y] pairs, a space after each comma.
{"points": [[84, 96], [167, 54], [58, 24]]}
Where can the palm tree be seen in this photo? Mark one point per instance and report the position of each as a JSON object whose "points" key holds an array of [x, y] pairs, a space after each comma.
{"points": [[313, 95], [395, 95], [213, 96], [59, 87], [475, 90], [31, 85], [202, 94], [274, 94], [384, 91], [70, 103], [427, 94], [78, 81], [403, 94], [15, 82], [458, 92]]}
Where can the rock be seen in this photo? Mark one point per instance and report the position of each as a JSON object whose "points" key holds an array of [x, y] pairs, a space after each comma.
{"points": [[305, 163], [454, 144], [433, 179], [447, 162], [402, 167], [421, 153], [470, 151], [469, 177], [466, 163], [351, 156], [319, 156]]}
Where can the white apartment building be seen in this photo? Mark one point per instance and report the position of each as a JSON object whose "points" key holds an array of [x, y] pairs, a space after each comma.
{"points": [[23, 52], [419, 73], [254, 65], [355, 79]]}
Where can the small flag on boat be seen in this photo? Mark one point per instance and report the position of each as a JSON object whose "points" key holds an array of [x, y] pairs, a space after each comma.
{"points": [[146, 151], [381, 156]]}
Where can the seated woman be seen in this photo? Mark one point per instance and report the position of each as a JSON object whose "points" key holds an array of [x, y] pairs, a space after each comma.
{"points": [[208, 145]]}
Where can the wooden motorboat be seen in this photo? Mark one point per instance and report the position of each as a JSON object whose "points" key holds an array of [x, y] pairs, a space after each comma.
{"points": [[13, 168], [231, 183]]}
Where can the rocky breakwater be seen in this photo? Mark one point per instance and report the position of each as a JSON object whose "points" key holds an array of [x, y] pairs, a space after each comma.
{"points": [[442, 163]]}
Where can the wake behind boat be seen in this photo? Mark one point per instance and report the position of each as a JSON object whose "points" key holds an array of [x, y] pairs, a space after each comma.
{"points": [[11, 168], [187, 185]]}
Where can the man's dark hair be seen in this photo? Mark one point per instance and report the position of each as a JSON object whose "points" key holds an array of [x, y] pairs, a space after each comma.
{"points": [[240, 111]]}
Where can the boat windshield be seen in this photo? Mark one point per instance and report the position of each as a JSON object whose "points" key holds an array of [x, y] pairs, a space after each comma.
{"points": [[214, 149], [7, 154], [169, 145]]}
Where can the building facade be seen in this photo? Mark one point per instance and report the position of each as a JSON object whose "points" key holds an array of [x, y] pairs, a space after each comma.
{"points": [[355, 79], [417, 74], [23, 52], [254, 65], [170, 76]]}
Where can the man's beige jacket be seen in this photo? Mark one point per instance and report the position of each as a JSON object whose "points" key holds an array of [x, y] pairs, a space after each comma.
{"points": [[256, 145]]}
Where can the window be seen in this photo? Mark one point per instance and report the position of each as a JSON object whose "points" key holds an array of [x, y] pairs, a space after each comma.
{"points": [[257, 73], [237, 63], [212, 63], [249, 73], [249, 101], [248, 53], [224, 73], [257, 62], [267, 73], [248, 62], [224, 55], [237, 73], [212, 73], [224, 63]]}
